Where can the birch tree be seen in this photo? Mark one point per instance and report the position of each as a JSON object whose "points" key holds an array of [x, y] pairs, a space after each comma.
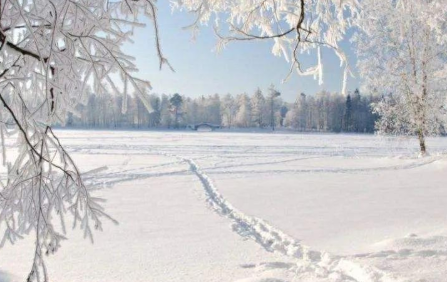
{"points": [[402, 57], [229, 108]]}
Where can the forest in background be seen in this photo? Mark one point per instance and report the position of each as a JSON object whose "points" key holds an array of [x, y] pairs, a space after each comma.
{"points": [[322, 112]]}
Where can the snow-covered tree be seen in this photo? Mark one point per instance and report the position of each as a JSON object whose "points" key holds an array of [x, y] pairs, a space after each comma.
{"points": [[302, 109], [165, 112], [155, 115], [402, 56], [273, 106], [53, 54], [213, 110], [347, 119], [243, 115], [258, 109], [283, 113], [176, 102], [229, 108], [192, 109], [297, 116], [290, 118]]}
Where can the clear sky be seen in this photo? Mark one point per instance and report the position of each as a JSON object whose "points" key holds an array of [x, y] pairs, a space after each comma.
{"points": [[240, 67]]}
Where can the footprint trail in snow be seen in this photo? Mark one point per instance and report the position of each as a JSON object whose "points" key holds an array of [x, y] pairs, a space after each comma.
{"points": [[321, 265]]}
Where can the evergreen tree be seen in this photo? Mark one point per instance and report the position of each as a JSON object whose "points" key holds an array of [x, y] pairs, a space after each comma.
{"points": [[283, 112], [273, 94], [347, 125], [176, 102]]}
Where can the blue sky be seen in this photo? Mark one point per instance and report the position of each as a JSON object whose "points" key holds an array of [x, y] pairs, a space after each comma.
{"points": [[240, 67]]}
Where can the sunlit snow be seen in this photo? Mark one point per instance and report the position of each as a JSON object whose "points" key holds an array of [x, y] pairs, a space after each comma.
{"points": [[217, 206]]}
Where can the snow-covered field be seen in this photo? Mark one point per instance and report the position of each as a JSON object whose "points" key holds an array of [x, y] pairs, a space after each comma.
{"points": [[254, 207]]}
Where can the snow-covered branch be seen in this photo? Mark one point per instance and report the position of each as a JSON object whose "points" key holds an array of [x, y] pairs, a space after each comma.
{"points": [[295, 27], [53, 53]]}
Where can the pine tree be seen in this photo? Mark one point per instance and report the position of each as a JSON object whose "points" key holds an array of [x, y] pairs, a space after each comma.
{"points": [[347, 125], [273, 95], [176, 102]]}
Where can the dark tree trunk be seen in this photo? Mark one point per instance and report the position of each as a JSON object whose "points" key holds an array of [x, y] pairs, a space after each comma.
{"points": [[422, 146]]}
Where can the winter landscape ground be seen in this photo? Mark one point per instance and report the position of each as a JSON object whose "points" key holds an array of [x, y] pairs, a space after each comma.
{"points": [[222, 206]]}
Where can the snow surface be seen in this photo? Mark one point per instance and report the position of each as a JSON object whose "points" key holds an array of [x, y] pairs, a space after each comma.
{"points": [[221, 206]]}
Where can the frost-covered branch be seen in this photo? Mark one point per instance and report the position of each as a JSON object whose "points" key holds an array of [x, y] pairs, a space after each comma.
{"points": [[295, 27], [53, 54]]}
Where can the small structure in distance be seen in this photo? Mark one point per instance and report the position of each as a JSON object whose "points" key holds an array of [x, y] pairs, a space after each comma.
{"points": [[204, 127]]}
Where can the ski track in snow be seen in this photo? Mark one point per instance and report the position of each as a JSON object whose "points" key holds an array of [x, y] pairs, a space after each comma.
{"points": [[404, 253], [323, 170], [113, 177], [320, 264], [259, 164]]}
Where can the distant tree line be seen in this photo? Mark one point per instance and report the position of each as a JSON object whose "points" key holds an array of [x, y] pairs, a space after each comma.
{"points": [[322, 112], [332, 112]]}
